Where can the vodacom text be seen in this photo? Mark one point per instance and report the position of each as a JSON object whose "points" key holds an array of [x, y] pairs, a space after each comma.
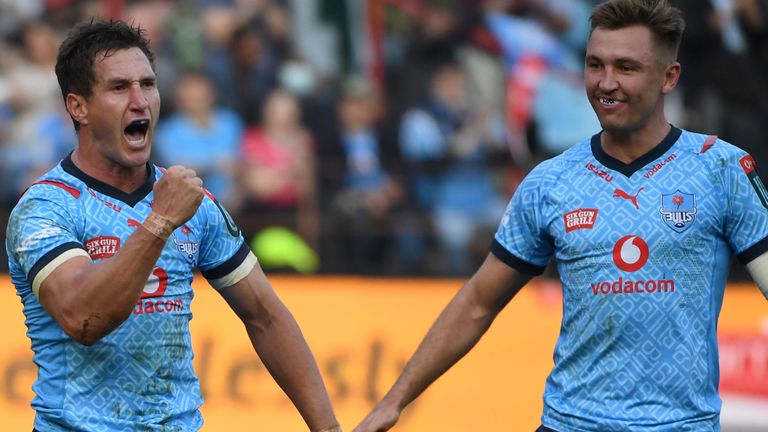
{"points": [[621, 286], [630, 254]]}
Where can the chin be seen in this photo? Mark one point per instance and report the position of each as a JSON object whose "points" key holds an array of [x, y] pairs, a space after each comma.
{"points": [[136, 159], [618, 129]]}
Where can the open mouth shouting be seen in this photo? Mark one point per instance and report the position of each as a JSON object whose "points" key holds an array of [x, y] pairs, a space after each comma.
{"points": [[136, 132]]}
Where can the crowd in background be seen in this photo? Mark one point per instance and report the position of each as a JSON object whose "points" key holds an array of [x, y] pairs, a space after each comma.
{"points": [[372, 137]]}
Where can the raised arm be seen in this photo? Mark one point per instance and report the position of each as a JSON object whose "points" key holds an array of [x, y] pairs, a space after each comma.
{"points": [[458, 328], [278, 341], [90, 300]]}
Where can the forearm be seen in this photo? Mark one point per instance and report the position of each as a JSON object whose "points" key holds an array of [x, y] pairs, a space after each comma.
{"points": [[287, 357], [458, 328]]}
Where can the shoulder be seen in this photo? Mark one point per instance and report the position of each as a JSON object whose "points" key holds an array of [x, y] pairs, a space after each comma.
{"points": [[51, 199], [212, 213], [708, 146], [714, 152], [55, 185]]}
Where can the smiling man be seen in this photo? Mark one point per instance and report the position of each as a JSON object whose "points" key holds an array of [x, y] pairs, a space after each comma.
{"points": [[102, 251], [643, 219]]}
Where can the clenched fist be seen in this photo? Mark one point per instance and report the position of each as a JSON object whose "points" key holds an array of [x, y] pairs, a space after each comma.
{"points": [[178, 194]]}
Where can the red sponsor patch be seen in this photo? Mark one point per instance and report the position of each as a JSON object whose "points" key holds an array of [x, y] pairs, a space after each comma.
{"points": [[748, 164], [579, 219], [102, 246]]}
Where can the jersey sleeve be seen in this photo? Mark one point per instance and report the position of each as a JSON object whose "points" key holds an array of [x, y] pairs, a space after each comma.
{"points": [[746, 222], [225, 258], [42, 234], [521, 240]]}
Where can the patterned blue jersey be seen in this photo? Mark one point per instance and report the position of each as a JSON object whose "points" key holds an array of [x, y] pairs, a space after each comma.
{"points": [[643, 250], [140, 376]]}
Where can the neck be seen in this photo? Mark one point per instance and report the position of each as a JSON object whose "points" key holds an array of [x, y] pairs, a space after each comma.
{"points": [[126, 179], [629, 146]]}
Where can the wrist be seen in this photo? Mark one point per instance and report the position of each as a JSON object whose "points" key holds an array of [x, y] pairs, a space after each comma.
{"points": [[393, 402], [158, 225], [336, 428]]}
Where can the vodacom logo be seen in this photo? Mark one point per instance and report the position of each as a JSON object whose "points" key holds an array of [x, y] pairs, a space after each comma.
{"points": [[630, 253], [156, 284]]}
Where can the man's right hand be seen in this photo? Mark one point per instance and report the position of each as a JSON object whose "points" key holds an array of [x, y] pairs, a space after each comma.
{"points": [[380, 419], [178, 194]]}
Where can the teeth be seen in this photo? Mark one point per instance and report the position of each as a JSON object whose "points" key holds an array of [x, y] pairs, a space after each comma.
{"points": [[607, 101]]}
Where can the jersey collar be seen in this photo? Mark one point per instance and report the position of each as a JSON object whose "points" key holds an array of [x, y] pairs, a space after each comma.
{"points": [[99, 186], [632, 167]]}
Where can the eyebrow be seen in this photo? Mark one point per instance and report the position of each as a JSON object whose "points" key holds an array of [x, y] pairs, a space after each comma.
{"points": [[122, 80], [618, 60]]}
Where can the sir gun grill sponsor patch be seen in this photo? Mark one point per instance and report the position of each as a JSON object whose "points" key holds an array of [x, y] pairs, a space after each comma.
{"points": [[580, 219], [102, 246]]}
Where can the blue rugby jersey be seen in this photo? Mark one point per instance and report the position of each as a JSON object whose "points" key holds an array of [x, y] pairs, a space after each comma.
{"points": [[140, 376], [643, 250]]}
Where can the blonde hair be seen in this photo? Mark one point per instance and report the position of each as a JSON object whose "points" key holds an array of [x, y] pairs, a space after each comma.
{"points": [[665, 22]]}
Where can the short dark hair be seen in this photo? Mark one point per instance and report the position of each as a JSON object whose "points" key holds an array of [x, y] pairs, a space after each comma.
{"points": [[87, 40], [665, 22]]}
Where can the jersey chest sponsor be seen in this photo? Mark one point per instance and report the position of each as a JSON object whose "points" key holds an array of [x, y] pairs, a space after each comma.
{"points": [[630, 254]]}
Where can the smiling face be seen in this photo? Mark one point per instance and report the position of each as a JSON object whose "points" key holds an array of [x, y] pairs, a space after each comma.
{"points": [[117, 120], [626, 77]]}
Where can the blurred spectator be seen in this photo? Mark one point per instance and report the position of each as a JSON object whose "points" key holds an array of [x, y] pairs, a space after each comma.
{"points": [[201, 136], [13, 13], [277, 170], [364, 206], [547, 110], [449, 147], [432, 37], [241, 63], [39, 132]]}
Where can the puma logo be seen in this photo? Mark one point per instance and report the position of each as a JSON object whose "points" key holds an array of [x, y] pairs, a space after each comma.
{"points": [[618, 193]]}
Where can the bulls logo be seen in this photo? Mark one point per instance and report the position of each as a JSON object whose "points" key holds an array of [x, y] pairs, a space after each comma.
{"points": [[630, 253], [185, 245], [678, 210]]}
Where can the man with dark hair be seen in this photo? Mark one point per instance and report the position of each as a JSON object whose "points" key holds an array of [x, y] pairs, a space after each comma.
{"points": [[642, 219], [102, 250]]}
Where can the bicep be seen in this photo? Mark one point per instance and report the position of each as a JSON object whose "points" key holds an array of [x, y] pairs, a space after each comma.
{"points": [[252, 299], [495, 284], [56, 283]]}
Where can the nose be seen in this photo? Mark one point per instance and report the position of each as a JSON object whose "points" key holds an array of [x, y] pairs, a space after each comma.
{"points": [[137, 99], [608, 81]]}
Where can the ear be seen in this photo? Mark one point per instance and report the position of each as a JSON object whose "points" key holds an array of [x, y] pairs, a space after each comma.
{"points": [[671, 76], [77, 107]]}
